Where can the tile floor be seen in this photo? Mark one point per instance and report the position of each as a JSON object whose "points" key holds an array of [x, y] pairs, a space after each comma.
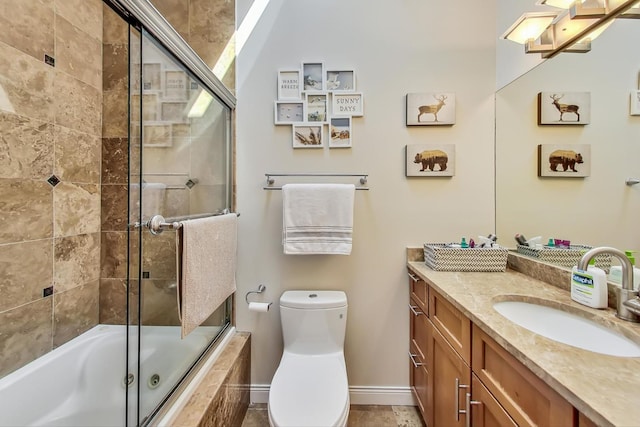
{"points": [[359, 416]]}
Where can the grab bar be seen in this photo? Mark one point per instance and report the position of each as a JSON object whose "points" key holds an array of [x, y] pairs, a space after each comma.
{"points": [[271, 181], [158, 223]]}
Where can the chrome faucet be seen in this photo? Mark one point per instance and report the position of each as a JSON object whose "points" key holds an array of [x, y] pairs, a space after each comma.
{"points": [[628, 303]]}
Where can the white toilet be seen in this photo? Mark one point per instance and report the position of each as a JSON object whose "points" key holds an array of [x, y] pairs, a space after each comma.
{"points": [[310, 386]]}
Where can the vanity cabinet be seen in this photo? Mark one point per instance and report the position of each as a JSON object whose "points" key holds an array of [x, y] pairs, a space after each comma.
{"points": [[457, 369], [524, 396], [420, 334]]}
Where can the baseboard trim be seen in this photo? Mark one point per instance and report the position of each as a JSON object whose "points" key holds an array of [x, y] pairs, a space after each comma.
{"points": [[358, 395]]}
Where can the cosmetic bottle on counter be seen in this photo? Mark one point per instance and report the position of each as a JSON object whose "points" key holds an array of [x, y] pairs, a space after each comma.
{"points": [[589, 287]]}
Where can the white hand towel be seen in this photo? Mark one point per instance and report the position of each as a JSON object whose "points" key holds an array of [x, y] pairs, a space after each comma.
{"points": [[317, 218], [206, 267]]}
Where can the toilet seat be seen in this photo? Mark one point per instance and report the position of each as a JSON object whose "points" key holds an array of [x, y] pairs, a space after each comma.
{"points": [[309, 390]]}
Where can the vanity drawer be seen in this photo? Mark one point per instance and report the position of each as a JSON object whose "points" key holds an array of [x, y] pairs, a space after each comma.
{"points": [[451, 323], [419, 291], [418, 329], [419, 377], [527, 399]]}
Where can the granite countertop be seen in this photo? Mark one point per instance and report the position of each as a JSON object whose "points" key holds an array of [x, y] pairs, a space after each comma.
{"points": [[605, 388]]}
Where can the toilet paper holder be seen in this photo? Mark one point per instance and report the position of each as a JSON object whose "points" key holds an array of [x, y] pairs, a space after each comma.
{"points": [[261, 289]]}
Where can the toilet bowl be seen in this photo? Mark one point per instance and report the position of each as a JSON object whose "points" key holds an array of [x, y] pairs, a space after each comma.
{"points": [[310, 386]]}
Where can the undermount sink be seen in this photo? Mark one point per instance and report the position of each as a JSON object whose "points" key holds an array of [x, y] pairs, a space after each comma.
{"points": [[567, 328]]}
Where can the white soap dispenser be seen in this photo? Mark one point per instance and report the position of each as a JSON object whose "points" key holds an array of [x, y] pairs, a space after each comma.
{"points": [[615, 272], [589, 287]]}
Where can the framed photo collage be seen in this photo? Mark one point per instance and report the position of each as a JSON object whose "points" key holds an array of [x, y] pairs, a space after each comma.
{"points": [[311, 97]]}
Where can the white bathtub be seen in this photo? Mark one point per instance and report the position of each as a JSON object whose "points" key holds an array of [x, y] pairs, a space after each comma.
{"points": [[82, 383]]}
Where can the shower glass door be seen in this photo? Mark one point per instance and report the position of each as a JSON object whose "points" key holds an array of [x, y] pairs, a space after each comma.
{"points": [[180, 139]]}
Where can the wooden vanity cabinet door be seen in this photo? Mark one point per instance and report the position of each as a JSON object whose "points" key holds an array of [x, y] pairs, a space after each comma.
{"points": [[419, 291], [449, 381], [485, 410], [453, 325], [418, 367], [528, 400], [583, 421]]}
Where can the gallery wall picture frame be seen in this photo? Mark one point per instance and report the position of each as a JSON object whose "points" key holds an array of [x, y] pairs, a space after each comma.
{"points": [[313, 76], [347, 104], [564, 108], [307, 135], [634, 103], [173, 111], [289, 84], [150, 107], [340, 132], [431, 109], [157, 135], [564, 160], [430, 160], [152, 76], [289, 112], [175, 85], [316, 106], [340, 80]]}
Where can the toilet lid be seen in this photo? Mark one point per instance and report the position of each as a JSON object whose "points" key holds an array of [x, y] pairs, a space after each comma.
{"points": [[309, 391]]}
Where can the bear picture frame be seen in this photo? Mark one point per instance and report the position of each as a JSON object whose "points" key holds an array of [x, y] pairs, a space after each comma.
{"points": [[430, 160], [564, 160]]}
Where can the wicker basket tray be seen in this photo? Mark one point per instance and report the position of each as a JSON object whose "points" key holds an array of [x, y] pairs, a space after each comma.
{"points": [[441, 257], [565, 257]]}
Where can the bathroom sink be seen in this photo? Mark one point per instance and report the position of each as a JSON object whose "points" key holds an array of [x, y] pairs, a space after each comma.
{"points": [[567, 328]]}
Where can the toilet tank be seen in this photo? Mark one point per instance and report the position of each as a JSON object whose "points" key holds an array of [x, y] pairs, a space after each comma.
{"points": [[313, 322]]}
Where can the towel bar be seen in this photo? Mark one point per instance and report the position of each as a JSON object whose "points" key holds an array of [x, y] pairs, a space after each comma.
{"points": [[157, 223], [271, 181]]}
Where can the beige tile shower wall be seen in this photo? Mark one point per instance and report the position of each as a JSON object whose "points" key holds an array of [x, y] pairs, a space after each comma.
{"points": [[209, 27], [50, 122], [115, 162]]}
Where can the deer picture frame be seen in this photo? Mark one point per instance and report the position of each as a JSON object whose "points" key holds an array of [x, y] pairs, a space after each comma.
{"points": [[431, 109], [564, 108]]}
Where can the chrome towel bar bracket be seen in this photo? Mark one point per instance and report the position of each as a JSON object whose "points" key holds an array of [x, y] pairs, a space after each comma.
{"points": [[157, 224]]}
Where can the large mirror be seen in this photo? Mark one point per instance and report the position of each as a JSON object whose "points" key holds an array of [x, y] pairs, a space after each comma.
{"points": [[596, 210]]}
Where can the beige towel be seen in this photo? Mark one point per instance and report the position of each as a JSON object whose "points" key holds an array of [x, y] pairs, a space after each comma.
{"points": [[317, 218], [206, 250]]}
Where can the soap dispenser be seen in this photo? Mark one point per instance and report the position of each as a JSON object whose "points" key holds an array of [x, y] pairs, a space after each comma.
{"points": [[615, 272], [589, 287]]}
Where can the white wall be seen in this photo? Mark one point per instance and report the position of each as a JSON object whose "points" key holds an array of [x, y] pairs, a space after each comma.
{"points": [[395, 47]]}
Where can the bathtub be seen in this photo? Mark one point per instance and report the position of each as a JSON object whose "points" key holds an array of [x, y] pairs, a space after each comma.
{"points": [[82, 383]]}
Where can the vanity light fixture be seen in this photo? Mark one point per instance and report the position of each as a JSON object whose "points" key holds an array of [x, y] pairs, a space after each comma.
{"points": [[573, 29], [529, 26]]}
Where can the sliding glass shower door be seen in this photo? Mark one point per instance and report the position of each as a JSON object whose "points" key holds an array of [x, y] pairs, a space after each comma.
{"points": [[180, 139]]}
